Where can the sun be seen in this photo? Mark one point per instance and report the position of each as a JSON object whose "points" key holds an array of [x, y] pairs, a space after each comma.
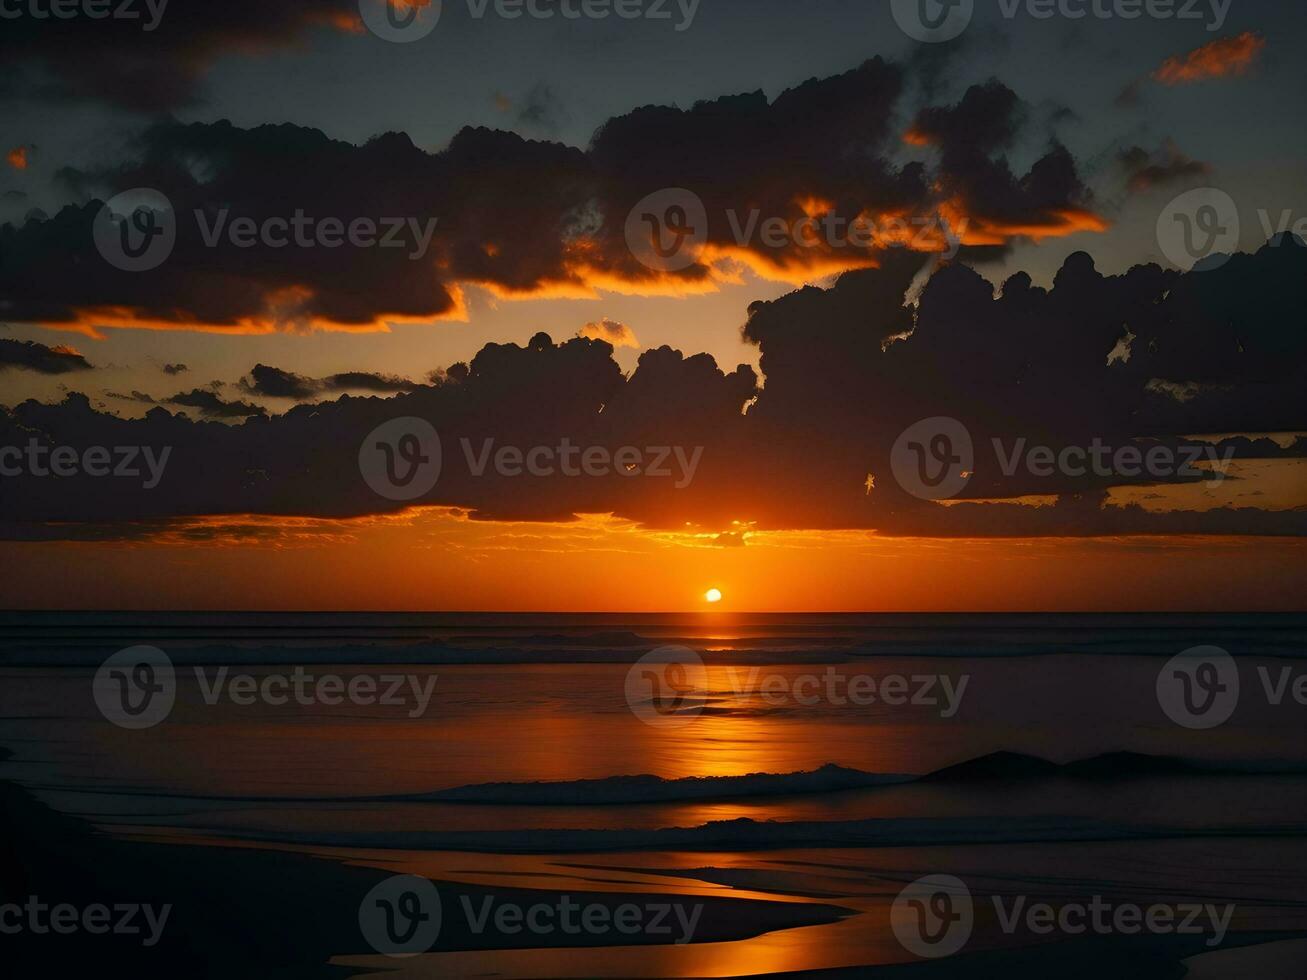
{"points": [[713, 595]]}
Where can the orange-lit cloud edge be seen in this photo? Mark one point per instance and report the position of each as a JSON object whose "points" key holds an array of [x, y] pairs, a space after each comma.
{"points": [[715, 265], [1217, 59]]}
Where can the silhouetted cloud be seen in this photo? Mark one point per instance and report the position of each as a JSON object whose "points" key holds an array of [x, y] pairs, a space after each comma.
{"points": [[273, 382], [847, 369], [30, 356], [542, 109], [211, 405], [1167, 165], [153, 62], [530, 218], [133, 396]]}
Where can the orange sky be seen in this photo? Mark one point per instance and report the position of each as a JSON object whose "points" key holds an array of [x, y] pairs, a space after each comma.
{"points": [[437, 560]]}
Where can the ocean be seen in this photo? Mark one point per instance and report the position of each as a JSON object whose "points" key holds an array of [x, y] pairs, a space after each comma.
{"points": [[704, 796]]}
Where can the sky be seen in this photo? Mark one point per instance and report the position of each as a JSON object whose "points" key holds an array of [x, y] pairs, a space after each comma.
{"points": [[1024, 188]]}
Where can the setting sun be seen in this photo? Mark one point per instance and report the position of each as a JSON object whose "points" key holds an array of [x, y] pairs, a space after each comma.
{"points": [[713, 595]]}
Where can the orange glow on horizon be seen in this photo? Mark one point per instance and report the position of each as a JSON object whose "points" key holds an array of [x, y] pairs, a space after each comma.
{"points": [[441, 559]]}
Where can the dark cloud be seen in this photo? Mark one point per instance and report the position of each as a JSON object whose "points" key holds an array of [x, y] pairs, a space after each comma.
{"points": [[542, 109], [272, 382], [1166, 165], [847, 370], [132, 396], [537, 218], [210, 405], [1130, 95], [175, 369], [972, 138], [28, 355], [151, 64]]}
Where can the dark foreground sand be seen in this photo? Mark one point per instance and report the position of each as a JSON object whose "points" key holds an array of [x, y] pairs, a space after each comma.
{"points": [[266, 913]]}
